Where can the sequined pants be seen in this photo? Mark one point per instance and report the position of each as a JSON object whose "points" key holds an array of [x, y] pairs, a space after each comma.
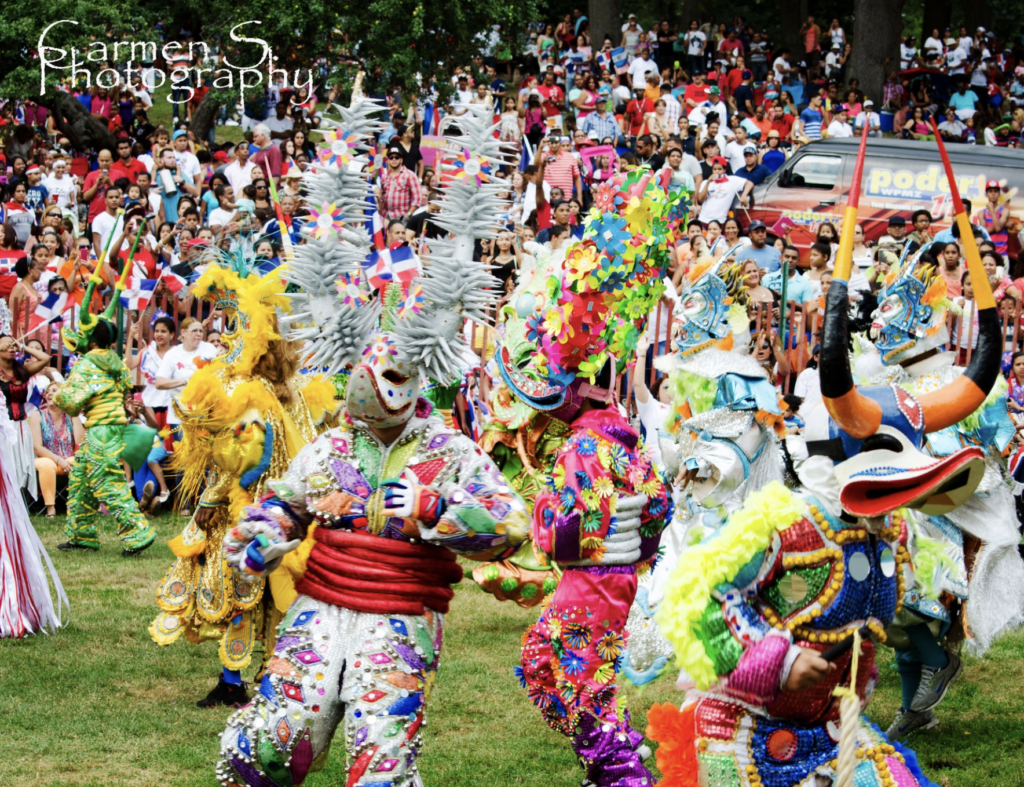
{"points": [[98, 478], [370, 673], [569, 664]]}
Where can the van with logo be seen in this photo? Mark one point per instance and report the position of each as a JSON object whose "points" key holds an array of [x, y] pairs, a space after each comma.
{"points": [[900, 177]]}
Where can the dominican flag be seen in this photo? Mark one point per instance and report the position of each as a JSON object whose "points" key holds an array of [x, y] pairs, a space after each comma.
{"points": [[604, 60], [384, 265], [140, 294], [175, 282], [51, 307], [375, 224], [431, 117], [1017, 466]]}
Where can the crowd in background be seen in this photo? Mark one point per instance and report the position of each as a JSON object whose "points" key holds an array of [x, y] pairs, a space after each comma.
{"points": [[713, 108]]}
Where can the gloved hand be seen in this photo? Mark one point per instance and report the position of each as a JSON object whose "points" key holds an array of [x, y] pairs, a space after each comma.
{"points": [[406, 497], [262, 556]]}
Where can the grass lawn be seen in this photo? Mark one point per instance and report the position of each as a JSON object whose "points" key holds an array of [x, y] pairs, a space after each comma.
{"points": [[99, 703]]}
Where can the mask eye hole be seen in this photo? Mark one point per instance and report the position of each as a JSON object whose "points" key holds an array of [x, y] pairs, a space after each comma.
{"points": [[394, 377], [882, 442]]}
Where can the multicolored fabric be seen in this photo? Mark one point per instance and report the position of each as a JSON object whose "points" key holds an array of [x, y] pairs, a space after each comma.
{"points": [[572, 654], [96, 388], [331, 666], [781, 574], [97, 478]]}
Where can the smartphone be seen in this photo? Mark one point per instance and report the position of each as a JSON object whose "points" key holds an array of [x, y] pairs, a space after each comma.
{"points": [[83, 252]]}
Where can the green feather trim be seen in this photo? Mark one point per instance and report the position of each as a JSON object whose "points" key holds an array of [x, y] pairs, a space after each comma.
{"points": [[929, 557], [739, 320], [698, 391]]}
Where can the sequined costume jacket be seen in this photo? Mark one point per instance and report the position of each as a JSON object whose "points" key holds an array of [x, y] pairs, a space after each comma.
{"points": [[334, 483], [96, 388], [783, 573], [601, 464]]}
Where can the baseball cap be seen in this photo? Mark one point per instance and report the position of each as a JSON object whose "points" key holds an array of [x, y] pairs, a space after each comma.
{"points": [[837, 46], [179, 133], [396, 149], [462, 77], [746, 75], [601, 98], [631, 16], [989, 184], [868, 102], [897, 221], [197, 242], [593, 134], [220, 155], [719, 160], [756, 224], [714, 91], [749, 149]]}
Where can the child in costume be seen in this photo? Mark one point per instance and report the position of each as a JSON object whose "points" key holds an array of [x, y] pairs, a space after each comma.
{"points": [[382, 503], [100, 388], [244, 417], [604, 506], [753, 608]]}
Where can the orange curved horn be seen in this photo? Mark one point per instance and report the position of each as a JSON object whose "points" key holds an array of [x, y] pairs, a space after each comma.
{"points": [[953, 402]]}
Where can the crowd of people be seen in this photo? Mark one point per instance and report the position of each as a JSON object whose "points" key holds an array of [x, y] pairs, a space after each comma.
{"points": [[651, 368]]}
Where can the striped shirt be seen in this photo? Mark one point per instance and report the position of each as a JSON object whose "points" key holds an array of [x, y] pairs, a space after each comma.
{"points": [[811, 119], [561, 173]]}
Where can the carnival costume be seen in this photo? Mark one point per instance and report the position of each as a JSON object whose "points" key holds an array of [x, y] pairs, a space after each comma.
{"points": [[601, 514], [26, 606], [807, 569], [381, 520], [238, 433], [99, 387], [728, 423], [945, 601]]}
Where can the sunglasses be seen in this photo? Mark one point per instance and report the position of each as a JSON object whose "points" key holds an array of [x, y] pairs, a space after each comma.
{"points": [[394, 157]]}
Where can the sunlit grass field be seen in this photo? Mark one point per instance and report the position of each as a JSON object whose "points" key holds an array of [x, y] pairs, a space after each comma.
{"points": [[99, 703]]}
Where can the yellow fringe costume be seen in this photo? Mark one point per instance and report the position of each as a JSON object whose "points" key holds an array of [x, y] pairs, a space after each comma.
{"points": [[237, 435]]}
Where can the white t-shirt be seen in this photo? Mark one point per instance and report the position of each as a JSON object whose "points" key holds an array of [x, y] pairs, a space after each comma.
{"points": [[278, 126], [872, 119], [179, 364], [694, 41], [219, 217], [63, 189], [806, 382], [932, 45], [734, 152], [780, 62], [719, 198], [639, 69], [189, 164], [838, 130], [238, 176], [906, 55], [105, 224]]}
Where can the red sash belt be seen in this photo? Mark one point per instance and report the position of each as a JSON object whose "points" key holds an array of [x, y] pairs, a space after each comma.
{"points": [[368, 573]]}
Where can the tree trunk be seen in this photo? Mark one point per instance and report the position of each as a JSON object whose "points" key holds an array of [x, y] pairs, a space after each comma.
{"points": [[83, 129], [938, 14], [604, 21], [205, 115], [977, 13], [877, 25], [790, 21], [690, 10]]}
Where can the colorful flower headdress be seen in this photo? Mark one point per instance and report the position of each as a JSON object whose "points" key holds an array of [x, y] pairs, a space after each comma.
{"points": [[610, 282]]}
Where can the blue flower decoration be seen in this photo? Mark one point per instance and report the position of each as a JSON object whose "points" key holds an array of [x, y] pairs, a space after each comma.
{"points": [[656, 506], [573, 664], [560, 376], [521, 675], [549, 517], [615, 281], [610, 234], [582, 479], [568, 498], [534, 327], [586, 446]]}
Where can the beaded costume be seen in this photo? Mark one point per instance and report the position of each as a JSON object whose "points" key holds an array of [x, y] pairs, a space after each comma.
{"points": [[97, 388], [237, 434], [805, 569], [726, 418], [379, 521], [601, 514]]}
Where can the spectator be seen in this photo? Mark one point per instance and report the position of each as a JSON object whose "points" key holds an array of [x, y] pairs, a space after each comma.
{"points": [[951, 128], [752, 170], [398, 192], [562, 216], [696, 44], [641, 67], [811, 119], [240, 172], [718, 192], [268, 155], [772, 156], [601, 122], [14, 379], [561, 170], [61, 186], [552, 99], [839, 128], [798, 287], [680, 177], [921, 234], [963, 101], [767, 257], [55, 438], [995, 216]]}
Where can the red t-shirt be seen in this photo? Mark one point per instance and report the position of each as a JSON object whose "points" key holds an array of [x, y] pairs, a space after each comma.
{"points": [[635, 112], [98, 203], [268, 158], [556, 99], [783, 124], [734, 79], [8, 259], [144, 261], [696, 93], [131, 170]]}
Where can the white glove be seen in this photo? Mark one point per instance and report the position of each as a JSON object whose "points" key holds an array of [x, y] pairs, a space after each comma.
{"points": [[262, 557]]}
